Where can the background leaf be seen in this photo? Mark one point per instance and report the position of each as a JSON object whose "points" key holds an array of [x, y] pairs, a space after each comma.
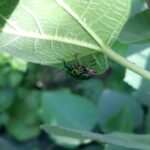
{"points": [[120, 139], [135, 31], [24, 115], [6, 98], [137, 6], [122, 121], [111, 108], [82, 114], [114, 147]]}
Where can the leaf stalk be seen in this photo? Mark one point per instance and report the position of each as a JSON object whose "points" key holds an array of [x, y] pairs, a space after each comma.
{"points": [[125, 63]]}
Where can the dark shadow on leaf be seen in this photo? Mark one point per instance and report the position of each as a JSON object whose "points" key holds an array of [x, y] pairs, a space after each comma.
{"points": [[6, 9]]}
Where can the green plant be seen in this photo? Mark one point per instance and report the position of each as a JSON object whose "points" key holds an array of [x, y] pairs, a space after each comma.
{"points": [[48, 31]]}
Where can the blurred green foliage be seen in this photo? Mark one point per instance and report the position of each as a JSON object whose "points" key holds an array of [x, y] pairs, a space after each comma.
{"points": [[32, 94]]}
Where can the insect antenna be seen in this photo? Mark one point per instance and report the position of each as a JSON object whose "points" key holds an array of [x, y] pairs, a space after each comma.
{"points": [[62, 68], [77, 60]]}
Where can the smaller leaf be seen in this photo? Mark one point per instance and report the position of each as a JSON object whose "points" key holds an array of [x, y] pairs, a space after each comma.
{"points": [[137, 29], [122, 121], [56, 105], [111, 103], [68, 110], [120, 139]]}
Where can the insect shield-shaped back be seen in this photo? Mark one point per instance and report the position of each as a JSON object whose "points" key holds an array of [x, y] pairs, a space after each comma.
{"points": [[79, 71]]}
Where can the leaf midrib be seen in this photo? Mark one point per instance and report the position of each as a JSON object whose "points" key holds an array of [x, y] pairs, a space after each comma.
{"points": [[89, 31], [106, 138], [87, 28], [53, 38]]}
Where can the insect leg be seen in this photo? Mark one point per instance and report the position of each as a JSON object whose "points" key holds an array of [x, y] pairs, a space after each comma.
{"points": [[65, 65], [92, 63], [77, 59]]}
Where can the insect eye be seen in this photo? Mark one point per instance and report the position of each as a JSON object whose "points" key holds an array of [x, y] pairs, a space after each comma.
{"points": [[91, 72]]}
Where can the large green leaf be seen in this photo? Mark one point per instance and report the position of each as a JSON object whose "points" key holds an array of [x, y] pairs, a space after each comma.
{"points": [[137, 29], [120, 139], [50, 31], [68, 110]]}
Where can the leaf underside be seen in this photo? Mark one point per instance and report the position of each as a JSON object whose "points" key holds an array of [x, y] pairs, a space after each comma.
{"points": [[46, 32]]}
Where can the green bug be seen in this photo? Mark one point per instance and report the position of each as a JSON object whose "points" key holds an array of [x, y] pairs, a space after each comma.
{"points": [[78, 71]]}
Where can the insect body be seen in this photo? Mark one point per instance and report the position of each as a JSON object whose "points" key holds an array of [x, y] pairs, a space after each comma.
{"points": [[79, 71]]}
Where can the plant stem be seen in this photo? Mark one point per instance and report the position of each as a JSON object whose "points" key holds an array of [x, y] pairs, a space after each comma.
{"points": [[104, 49], [126, 63]]}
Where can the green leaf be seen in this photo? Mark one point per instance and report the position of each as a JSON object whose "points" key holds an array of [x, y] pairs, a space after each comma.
{"points": [[137, 6], [120, 48], [137, 29], [120, 139], [16, 63], [111, 103], [122, 121], [139, 54], [93, 147], [6, 99], [57, 30], [24, 116], [68, 110], [4, 118], [6, 9], [117, 76], [114, 147], [82, 114], [147, 121], [15, 78]]}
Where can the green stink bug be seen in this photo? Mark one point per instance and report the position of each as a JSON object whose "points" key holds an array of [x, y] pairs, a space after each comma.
{"points": [[78, 71]]}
